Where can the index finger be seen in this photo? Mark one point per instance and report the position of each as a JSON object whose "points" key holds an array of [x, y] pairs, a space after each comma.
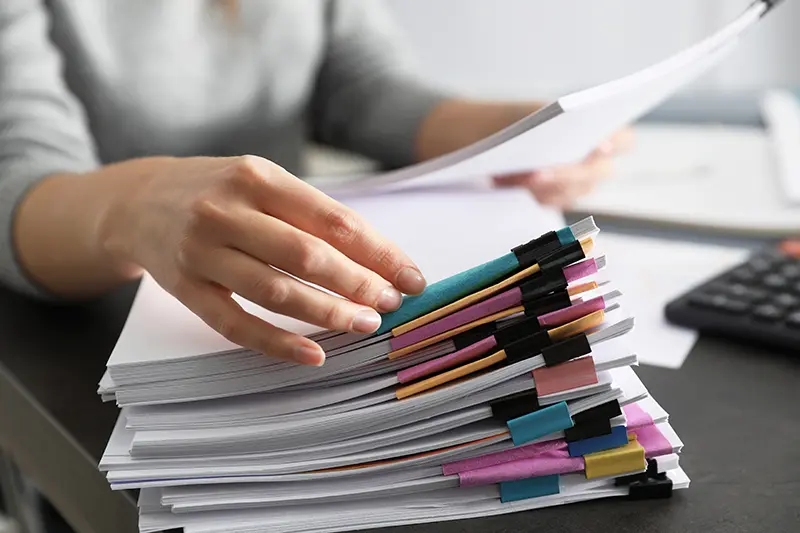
{"points": [[314, 212]]}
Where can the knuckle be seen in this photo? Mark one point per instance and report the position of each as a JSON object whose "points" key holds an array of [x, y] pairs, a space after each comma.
{"points": [[228, 327], [187, 254], [310, 258], [248, 172], [343, 226], [363, 290], [383, 256], [333, 317], [274, 290]]}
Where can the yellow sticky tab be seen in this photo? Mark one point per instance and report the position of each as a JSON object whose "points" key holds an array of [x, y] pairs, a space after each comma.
{"points": [[616, 461]]}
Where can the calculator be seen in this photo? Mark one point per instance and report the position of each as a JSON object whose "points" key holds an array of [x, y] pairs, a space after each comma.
{"points": [[758, 300]]}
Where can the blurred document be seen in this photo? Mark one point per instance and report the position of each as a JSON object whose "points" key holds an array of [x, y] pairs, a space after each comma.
{"points": [[722, 178], [567, 130], [652, 272]]}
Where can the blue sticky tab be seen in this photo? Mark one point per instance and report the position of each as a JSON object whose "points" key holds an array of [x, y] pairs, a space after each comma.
{"points": [[565, 235], [528, 428], [618, 437], [449, 290], [522, 489]]}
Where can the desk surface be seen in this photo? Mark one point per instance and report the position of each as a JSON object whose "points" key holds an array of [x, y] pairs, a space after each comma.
{"points": [[735, 408]]}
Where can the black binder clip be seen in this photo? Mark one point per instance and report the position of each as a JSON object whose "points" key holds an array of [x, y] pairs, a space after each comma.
{"points": [[567, 350], [543, 284], [566, 255], [606, 411], [546, 304], [648, 485], [528, 254], [587, 430], [468, 338], [515, 406], [526, 347]]}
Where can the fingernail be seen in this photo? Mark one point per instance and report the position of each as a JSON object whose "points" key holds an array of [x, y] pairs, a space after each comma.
{"points": [[410, 281], [389, 300], [366, 321], [307, 355]]}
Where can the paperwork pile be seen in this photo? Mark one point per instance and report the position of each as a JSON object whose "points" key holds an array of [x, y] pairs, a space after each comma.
{"points": [[503, 388]]}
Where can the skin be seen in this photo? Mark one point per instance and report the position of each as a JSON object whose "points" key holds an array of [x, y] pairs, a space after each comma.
{"points": [[206, 228]]}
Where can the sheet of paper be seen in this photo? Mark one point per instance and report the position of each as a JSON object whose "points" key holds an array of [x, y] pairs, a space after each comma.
{"points": [[566, 130], [650, 273], [724, 178]]}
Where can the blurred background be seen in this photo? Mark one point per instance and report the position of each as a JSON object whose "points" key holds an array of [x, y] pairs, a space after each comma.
{"points": [[524, 48]]}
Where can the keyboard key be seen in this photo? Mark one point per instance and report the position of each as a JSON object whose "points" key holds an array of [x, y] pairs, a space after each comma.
{"points": [[744, 274], [790, 271], [774, 281], [710, 301], [736, 307], [739, 291], [761, 265], [794, 320], [786, 300], [769, 313]]}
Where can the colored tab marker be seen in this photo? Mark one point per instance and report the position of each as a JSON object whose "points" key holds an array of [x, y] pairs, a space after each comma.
{"points": [[523, 489], [566, 376], [616, 462], [618, 437], [543, 422]]}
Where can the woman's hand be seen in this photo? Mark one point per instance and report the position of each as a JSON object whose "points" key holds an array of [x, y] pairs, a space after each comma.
{"points": [[205, 228], [561, 186]]}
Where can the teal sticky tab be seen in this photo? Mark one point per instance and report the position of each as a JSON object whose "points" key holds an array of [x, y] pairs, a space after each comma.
{"points": [[523, 489], [528, 428], [565, 235], [449, 290]]}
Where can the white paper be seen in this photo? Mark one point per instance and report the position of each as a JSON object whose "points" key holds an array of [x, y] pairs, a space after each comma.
{"points": [[724, 178], [652, 272]]}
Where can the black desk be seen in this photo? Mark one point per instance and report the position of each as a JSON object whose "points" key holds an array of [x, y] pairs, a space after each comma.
{"points": [[736, 409]]}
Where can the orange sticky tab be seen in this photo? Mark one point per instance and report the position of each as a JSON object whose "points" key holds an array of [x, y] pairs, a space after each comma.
{"points": [[581, 288], [446, 377], [566, 376], [585, 323], [453, 332], [464, 302]]}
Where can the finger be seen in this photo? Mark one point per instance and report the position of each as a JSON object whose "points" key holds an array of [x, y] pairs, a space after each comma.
{"points": [[308, 209], [282, 294], [214, 305], [309, 258], [515, 180]]}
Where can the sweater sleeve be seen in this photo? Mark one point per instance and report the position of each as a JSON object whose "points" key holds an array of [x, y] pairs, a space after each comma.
{"points": [[368, 98], [43, 130]]}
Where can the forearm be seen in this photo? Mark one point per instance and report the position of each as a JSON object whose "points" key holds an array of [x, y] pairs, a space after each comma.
{"points": [[58, 232], [454, 124]]}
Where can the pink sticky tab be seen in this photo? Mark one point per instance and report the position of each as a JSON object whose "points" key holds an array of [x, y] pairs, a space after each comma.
{"points": [[580, 270], [565, 376], [547, 464], [577, 310], [473, 351], [636, 416], [528, 451], [652, 440], [501, 302]]}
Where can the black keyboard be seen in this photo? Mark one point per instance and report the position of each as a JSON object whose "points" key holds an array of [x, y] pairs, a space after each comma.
{"points": [[758, 300]]}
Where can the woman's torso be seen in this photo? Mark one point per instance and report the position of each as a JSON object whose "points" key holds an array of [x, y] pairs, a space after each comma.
{"points": [[189, 77]]}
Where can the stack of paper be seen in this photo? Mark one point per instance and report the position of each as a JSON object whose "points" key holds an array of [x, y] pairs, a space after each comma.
{"points": [[503, 388]]}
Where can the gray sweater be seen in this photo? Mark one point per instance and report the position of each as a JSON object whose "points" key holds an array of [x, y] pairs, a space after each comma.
{"points": [[88, 82]]}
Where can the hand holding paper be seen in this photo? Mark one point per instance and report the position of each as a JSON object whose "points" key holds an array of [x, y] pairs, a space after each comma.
{"points": [[208, 228]]}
